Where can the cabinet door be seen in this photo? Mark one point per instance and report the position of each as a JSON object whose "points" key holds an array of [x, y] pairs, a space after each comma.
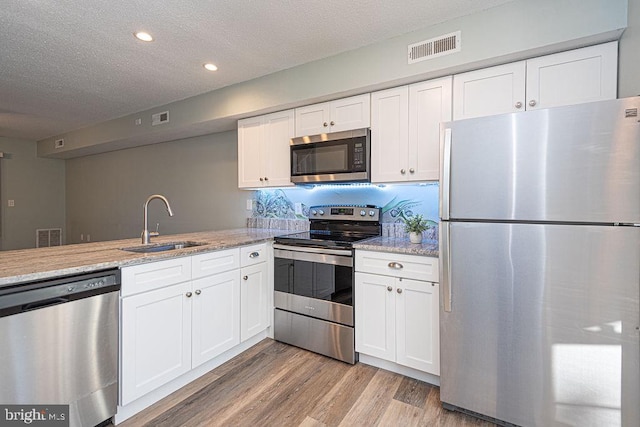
{"points": [[580, 75], [350, 113], [417, 325], [254, 300], [216, 315], [156, 339], [250, 145], [488, 91], [278, 131], [429, 105], [312, 119], [375, 315], [389, 135]]}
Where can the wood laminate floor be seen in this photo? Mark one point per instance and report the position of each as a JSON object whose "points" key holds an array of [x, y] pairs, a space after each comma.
{"points": [[274, 384]]}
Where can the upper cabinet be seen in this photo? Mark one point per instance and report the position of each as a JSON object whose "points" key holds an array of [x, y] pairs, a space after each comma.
{"points": [[335, 116], [572, 77], [405, 131], [263, 150]]}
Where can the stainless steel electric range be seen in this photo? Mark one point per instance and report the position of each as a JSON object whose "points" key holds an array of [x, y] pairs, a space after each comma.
{"points": [[314, 278]]}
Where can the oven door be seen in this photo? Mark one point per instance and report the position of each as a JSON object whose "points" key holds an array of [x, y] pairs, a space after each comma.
{"points": [[314, 282]]}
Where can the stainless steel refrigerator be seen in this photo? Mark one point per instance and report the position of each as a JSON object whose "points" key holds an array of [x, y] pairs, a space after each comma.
{"points": [[540, 265]]}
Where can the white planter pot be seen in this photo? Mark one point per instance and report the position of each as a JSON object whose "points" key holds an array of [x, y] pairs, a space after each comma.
{"points": [[415, 237]]}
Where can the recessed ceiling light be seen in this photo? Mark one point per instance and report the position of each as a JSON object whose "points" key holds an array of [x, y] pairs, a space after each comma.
{"points": [[145, 37], [209, 66]]}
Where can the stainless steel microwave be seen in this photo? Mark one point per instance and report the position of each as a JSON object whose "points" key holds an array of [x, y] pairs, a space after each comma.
{"points": [[332, 157]]}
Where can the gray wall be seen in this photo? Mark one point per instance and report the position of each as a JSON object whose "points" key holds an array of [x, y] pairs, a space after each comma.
{"points": [[38, 188], [515, 30], [199, 176], [629, 54]]}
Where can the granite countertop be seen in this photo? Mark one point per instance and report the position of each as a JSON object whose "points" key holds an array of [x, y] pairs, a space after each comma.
{"points": [[42, 263], [399, 245]]}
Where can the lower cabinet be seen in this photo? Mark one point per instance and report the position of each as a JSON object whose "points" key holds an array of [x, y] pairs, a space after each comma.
{"points": [[173, 323], [397, 318]]}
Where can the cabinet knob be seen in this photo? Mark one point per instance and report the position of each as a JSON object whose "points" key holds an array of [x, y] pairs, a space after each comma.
{"points": [[266, 178], [325, 124], [399, 290], [254, 254], [198, 291], [412, 170], [261, 179], [518, 105], [389, 288], [245, 277], [188, 294], [332, 123], [532, 103], [395, 265], [402, 171]]}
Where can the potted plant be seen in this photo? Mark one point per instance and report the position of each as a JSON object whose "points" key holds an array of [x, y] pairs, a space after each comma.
{"points": [[415, 225]]}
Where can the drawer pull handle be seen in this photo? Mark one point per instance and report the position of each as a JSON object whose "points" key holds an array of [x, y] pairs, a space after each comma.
{"points": [[245, 277], [254, 254], [395, 265], [198, 291], [188, 294], [389, 288]]}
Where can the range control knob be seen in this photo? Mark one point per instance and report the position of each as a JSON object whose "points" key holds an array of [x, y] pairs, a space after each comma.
{"points": [[313, 212], [321, 212], [372, 213], [362, 213]]}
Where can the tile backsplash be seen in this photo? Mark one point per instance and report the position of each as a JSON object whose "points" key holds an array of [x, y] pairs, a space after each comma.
{"points": [[289, 208]]}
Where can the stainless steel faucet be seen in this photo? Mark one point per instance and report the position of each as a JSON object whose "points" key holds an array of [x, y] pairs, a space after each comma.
{"points": [[146, 235]]}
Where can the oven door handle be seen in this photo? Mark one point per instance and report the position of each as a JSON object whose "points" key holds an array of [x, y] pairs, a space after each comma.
{"points": [[343, 252], [313, 256]]}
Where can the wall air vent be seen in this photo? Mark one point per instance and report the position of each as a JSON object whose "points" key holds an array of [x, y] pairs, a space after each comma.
{"points": [[46, 237], [432, 48], [159, 118]]}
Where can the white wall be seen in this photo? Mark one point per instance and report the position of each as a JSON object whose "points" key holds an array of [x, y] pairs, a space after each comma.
{"points": [[36, 186], [106, 192], [629, 54]]}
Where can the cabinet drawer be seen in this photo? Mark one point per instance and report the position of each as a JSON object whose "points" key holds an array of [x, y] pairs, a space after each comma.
{"points": [[398, 265], [253, 254], [215, 262], [155, 275]]}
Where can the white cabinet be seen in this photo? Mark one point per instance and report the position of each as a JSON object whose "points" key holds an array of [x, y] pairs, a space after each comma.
{"points": [[263, 150], [397, 318], [254, 293], [176, 315], [335, 116], [155, 337], [571, 77], [405, 131]]}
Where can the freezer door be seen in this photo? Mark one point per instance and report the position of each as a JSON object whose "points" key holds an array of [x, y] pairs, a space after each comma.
{"points": [[543, 327], [568, 164]]}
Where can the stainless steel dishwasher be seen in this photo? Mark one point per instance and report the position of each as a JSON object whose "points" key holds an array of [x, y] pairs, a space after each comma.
{"points": [[59, 345]]}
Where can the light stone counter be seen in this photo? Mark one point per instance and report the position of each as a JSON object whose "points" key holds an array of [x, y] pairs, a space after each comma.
{"points": [[399, 245], [35, 264]]}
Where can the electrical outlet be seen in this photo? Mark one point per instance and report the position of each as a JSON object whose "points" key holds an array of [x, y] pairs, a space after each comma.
{"points": [[138, 122], [81, 237], [59, 143], [298, 208], [88, 237], [11, 203], [249, 204]]}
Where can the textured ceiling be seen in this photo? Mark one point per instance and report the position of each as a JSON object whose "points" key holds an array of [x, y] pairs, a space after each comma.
{"points": [[67, 64]]}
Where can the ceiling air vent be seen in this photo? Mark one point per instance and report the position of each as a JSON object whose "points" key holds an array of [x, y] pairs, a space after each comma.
{"points": [[432, 48]]}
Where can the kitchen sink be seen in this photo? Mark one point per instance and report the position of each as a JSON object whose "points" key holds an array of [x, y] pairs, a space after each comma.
{"points": [[162, 247]]}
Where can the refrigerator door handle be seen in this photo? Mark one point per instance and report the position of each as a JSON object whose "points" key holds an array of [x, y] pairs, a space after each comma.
{"points": [[445, 177], [445, 265]]}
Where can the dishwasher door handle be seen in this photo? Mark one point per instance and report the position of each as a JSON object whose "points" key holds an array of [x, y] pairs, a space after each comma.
{"points": [[43, 304]]}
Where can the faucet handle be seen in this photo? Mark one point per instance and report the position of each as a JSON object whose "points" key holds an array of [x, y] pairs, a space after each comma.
{"points": [[157, 232]]}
